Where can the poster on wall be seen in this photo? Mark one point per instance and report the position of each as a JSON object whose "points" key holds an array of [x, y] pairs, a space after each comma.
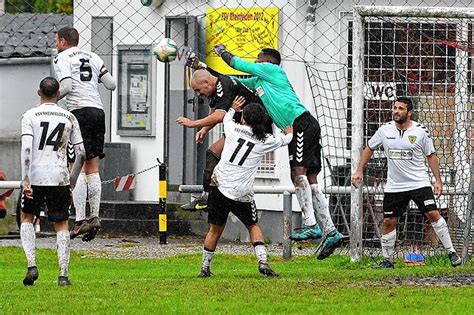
{"points": [[244, 32], [135, 98]]}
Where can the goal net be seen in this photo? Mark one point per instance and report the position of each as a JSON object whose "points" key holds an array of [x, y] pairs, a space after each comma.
{"points": [[422, 55], [425, 55]]}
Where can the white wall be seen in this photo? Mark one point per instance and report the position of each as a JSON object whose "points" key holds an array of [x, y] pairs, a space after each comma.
{"points": [[18, 86]]}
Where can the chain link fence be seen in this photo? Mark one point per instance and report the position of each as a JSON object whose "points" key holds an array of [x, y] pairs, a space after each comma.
{"points": [[403, 56]]}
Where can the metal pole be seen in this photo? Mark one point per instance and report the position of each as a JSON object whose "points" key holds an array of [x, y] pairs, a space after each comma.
{"points": [[287, 225], [468, 226], [162, 216], [357, 133], [415, 11], [461, 101], [10, 184]]}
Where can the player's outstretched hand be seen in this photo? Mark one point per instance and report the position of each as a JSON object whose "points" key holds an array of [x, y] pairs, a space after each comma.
{"points": [[288, 129], [438, 188], [219, 49], [357, 179], [200, 135], [185, 122], [28, 191], [193, 62], [237, 103]]}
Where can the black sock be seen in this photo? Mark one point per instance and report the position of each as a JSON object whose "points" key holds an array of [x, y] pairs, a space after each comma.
{"points": [[211, 161]]}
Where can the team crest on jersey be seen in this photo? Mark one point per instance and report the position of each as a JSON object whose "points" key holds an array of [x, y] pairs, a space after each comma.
{"points": [[412, 139]]}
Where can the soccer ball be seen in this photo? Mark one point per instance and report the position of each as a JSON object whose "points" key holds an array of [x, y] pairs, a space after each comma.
{"points": [[165, 50]]}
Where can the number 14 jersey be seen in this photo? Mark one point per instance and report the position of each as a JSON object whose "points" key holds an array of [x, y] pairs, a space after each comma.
{"points": [[235, 173], [85, 69], [51, 128]]}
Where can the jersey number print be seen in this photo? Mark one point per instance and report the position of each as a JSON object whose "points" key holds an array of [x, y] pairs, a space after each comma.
{"points": [[85, 69], [53, 138], [241, 142]]}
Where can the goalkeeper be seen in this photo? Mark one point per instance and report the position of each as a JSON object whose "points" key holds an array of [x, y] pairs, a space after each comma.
{"points": [[271, 84]]}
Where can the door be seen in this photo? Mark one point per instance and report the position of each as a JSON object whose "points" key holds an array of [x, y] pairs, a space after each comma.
{"points": [[101, 44], [185, 158]]}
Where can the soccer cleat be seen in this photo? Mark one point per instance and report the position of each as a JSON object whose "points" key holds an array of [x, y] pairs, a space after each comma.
{"points": [[332, 241], [308, 233], [205, 272], [264, 269], [455, 259], [94, 224], [63, 281], [386, 264], [79, 228], [198, 204], [31, 276]]}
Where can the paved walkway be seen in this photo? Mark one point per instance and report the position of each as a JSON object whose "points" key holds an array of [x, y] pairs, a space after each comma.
{"points": [[149, 247]]}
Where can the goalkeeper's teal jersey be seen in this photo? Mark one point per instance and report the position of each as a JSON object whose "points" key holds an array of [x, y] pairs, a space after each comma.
{"points": [[271, 83]]}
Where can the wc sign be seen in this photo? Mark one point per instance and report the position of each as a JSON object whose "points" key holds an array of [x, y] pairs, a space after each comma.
{"points": [[380, 91]]}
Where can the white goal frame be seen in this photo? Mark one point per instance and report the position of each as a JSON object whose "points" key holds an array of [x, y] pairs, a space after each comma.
{"points": [[360, 13]]}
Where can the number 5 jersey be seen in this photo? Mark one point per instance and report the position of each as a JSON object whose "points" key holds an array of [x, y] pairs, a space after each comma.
{"points": [[51, 127], [235, 173], [85, 69]]}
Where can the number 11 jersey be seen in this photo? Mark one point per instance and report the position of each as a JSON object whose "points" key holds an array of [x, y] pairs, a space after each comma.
{"points": [[51, 128], [85, 69], [235, 173]]}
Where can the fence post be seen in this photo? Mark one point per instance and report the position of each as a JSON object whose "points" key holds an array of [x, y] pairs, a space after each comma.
{"points": [[286, 225], [469, 214], [357, 133], [162, 216]]}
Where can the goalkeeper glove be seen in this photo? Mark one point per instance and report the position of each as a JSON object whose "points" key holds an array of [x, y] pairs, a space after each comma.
{"points": [[219, 49], [193, 62]]}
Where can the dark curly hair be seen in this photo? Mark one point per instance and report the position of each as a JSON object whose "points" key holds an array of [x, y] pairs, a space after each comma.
{"points": [[255, 116]]}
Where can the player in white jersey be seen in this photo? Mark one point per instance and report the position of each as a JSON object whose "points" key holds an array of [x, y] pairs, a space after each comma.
{"points": [[406, 144], [80, 73], [233, 177], [45, 133]]}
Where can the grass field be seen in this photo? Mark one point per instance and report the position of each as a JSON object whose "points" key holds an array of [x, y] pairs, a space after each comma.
{"points": [[170, 285]]}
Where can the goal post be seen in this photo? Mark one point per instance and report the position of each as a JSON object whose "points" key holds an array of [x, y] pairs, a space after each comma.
{"points": [[425, 53]]}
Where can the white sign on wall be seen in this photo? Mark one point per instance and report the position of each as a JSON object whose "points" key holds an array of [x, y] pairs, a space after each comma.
{"points": [[380, 91]]}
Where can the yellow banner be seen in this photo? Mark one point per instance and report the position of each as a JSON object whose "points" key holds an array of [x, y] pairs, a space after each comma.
{"points": [[162, 223], [244, 32]]}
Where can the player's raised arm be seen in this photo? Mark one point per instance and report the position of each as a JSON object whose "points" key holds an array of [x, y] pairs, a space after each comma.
{"points": [[106, 78], [261, 69], [26, 155]]}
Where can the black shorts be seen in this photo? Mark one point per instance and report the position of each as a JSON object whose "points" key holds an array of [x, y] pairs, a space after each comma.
{"points": [[56, 198], [395, 203], [92, 123], [219, 207], [305, 148]]}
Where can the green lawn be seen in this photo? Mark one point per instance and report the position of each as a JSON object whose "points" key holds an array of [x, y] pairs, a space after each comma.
{"points": [[305, 286]]}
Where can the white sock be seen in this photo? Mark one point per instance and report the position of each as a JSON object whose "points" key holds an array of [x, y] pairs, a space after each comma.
{"points": [[28, 239], [206, 258], [441, 229], [388, 244], [321, 209], [303, 194], [94, 191], [79, 195], [261, 253], [63, 243]]}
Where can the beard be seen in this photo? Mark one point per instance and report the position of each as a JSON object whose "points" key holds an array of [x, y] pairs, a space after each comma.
{"points": [[400, 119]]}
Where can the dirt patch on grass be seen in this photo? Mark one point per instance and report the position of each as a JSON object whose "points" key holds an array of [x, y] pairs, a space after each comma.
{"points": [[459, 279]]}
